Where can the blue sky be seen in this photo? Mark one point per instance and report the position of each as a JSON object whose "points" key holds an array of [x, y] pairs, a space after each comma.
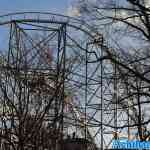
{"points": [[11, 6], [59, 6]]}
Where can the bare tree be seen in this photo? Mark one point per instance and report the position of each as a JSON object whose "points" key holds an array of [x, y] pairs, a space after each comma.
{"points": [[30, 87], [125, 26]]}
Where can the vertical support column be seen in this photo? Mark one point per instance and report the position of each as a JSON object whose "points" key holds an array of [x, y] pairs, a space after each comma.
{"points": [[128, 110], [115, 99], [10, 43], [86, 91], [60, 87], [64, 74], [101, 96], [57, 86], [63, 80]]}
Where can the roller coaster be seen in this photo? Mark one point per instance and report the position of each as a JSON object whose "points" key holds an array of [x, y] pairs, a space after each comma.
{"points": [[60, 81]]}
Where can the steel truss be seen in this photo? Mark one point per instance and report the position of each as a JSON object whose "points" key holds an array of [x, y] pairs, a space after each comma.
{"points": [[58, 79]]}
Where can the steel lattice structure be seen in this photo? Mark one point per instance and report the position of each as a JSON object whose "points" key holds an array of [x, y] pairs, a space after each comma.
{"points": [[58, 73]]}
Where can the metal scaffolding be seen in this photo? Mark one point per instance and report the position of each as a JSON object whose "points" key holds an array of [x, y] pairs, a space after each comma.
{"points": [[61, 82]]}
